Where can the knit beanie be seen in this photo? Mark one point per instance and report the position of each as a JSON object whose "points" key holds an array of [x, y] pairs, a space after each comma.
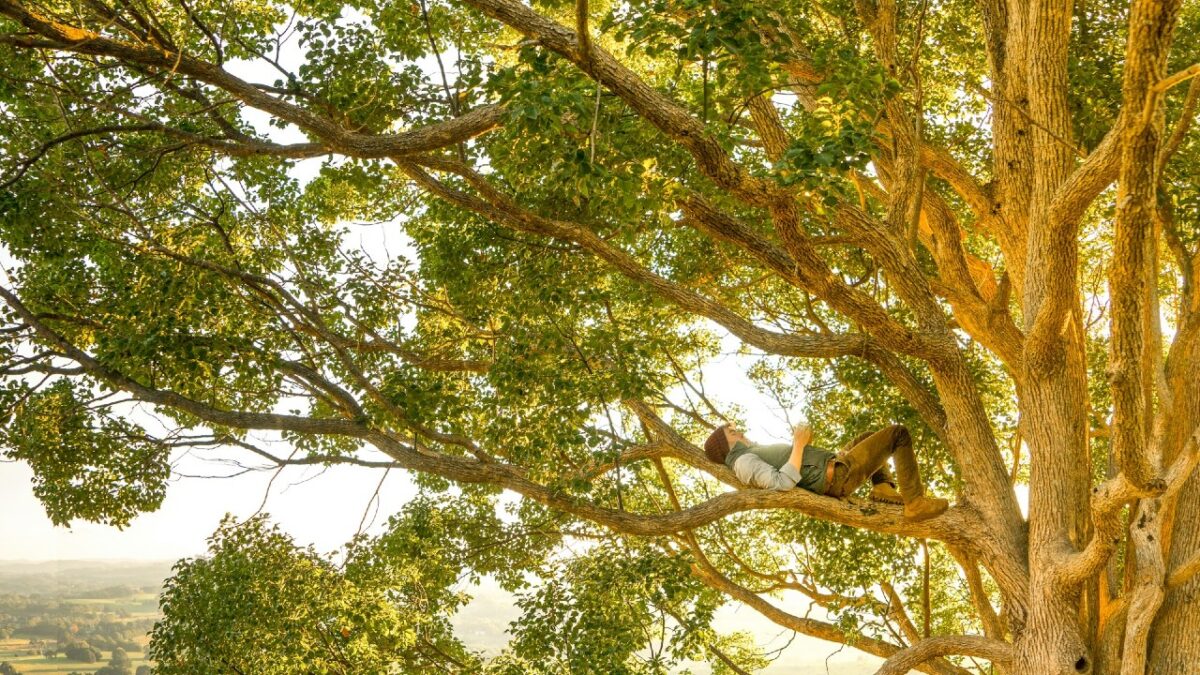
{"points": [[717, 446]]}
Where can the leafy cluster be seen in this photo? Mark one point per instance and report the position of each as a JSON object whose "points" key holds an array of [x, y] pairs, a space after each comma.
{"points": [[259, 603], [87, 465]]}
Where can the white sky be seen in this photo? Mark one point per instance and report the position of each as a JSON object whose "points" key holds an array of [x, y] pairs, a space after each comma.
{"points": [[324, 511]]}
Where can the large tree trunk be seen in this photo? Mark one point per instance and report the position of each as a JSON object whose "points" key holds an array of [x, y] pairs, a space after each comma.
{"points": [[1054, 405]]}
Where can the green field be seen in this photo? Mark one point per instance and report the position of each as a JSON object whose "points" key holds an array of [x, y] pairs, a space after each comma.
{"points": [[41, 665], [139, 605], [16, 650]]}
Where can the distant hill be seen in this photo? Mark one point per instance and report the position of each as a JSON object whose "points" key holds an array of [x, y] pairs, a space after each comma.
{"points": [[65, 578]]}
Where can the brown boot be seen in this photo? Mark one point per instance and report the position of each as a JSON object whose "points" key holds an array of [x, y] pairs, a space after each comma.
{"points": [[886, 492], [924, 508], [917, 506], [883, 487]]}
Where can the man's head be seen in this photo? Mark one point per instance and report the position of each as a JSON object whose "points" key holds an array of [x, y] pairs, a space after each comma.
{"points": [[718, 443]]}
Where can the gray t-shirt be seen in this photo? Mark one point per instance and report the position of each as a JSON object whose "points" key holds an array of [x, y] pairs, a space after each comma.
{"points": [[766, 466]]}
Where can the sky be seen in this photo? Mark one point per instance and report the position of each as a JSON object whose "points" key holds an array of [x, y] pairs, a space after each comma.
{"points": [[324, 510]]}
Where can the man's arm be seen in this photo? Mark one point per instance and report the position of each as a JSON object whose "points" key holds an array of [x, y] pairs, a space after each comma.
{"points": [[753, 471]]}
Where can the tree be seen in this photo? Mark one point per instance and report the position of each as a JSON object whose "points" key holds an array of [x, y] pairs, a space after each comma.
{"points": [[81, 651], [912, 203], [144, 670], [119, 658], [283, 609], [119, 664]]}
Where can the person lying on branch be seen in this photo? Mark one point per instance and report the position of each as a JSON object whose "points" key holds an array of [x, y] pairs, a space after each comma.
{"points": [[782, 467]]}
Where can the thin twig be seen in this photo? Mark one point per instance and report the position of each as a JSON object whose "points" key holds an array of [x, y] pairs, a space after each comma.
{"points": [[994, 98]]}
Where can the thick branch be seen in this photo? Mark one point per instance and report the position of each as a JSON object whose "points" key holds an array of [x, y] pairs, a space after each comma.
{"points": [[1107, 501], [957, 524], [969, 286], [1135, 241], [995, 651], [944, 166], [711, 576], [1090, 178], [1184, 572]]}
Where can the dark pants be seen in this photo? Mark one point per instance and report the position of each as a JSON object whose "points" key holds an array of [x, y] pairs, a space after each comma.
{"points": [[867, 456]]}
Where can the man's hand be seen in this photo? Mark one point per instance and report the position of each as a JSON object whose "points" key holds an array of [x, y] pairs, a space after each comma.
{"points": [[801, 435]]}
